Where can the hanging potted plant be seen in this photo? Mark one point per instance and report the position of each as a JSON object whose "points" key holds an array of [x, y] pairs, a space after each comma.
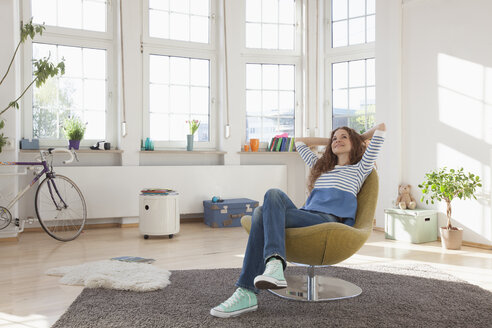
{"points": [[43, 69], [444, 185], [74, 130]]}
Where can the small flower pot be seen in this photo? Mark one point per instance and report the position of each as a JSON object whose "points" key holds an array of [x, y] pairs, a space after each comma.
{"points": [[73, 144], [451, 238]]}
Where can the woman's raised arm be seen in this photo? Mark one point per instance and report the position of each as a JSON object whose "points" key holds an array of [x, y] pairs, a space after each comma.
{"points": [[370, 133], [314, 141]]}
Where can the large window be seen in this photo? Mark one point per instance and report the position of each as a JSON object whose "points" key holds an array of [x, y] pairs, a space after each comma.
{"points": [[273, 65], [350, 64], [179, 71], [80, 33]]}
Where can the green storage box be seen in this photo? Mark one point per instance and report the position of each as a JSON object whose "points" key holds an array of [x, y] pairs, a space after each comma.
{"points": [[416, 226]]}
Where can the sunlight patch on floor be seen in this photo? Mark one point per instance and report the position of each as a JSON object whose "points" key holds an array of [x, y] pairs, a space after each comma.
{"points": [[30, 321]]}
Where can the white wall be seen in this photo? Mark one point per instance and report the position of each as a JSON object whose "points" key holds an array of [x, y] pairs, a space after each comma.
{"points": [[447, 100]]}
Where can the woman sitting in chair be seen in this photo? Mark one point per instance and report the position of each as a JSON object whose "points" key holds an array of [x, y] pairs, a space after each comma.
{"points": [[334, 182]]}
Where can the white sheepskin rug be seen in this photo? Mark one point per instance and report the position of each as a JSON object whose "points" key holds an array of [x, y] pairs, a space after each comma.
{"points": [[113, 274]]}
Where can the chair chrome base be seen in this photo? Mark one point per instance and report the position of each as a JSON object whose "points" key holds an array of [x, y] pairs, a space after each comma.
{"points": [[313, 288]]}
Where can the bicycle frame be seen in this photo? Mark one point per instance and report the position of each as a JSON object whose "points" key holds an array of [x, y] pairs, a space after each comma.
{"points": [[46, 170]]}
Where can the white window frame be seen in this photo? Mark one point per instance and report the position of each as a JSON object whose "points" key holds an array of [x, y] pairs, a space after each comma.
{"points": [[277, 57], [187, 49], [75, 38], [337, 55]]}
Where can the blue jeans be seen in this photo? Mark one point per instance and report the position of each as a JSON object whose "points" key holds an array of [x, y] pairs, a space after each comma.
{"points": [[267, 235]]}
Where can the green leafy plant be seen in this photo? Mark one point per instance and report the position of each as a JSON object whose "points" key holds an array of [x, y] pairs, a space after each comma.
{"points": [[74, 128], [194, 125], [42, 70], [446, 185]]}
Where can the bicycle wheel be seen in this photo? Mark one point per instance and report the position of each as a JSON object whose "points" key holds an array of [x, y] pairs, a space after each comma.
{"points": [[60, 207]]}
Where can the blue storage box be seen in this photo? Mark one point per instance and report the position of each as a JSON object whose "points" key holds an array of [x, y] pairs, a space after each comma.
{"points": [[229, 212], [28, 144]]}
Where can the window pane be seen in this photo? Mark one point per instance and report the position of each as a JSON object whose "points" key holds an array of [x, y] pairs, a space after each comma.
{"points": [[96, 125], [159, 69], [269, 36], [270, 77], [371, 28], [356, 31], [357, 73], [286, 37], [159, 24], [94, 94], [286, 77], [73, 61], [357, 8], [178, 127], [200, 72], [253, 35], [340, 100], [199, 29], [371, 7], [253, 10], [371, 98], [180, 27], [94, 64], [253, 102], [94, 16], [339, 10], [357, 99], [287, 102], [286, 11], [199, 100], [203, 131], [340, 75], [180, 99], [371, 71], [44, 11], [339, 36], [69, 13], [180, 6], [159, 98], [159, 4], [253, 127], [159, 126], [200, 7], [253, 76], [180, 70], [270, 102], [269, 11]]}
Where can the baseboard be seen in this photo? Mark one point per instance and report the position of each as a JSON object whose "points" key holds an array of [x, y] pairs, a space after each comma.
{"points": [[378, 229], [9, 239]]}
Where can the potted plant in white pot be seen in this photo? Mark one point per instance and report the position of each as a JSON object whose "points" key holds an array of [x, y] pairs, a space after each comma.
{"points": [[43, 69], [74, 130], [446, 185]]}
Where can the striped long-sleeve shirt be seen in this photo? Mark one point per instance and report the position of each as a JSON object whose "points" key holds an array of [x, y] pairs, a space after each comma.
{"points": [[335, 192]]}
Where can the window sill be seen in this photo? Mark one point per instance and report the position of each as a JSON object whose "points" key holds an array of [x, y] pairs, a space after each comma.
{"points": [[266, 152], [78, 151], [184, 152]]}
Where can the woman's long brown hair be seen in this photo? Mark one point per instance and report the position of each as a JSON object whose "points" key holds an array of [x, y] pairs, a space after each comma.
{"points": [[328, 161]]}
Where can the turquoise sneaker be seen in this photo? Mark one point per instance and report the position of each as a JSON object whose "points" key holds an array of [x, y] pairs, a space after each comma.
{"points": [[273, 277], [240, 302]]}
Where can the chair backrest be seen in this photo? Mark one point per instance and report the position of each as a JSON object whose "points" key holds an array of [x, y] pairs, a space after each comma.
{"points": [[367, 201]]}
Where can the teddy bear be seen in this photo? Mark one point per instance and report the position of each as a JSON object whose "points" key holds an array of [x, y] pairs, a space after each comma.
{"points": [[405, 199]]}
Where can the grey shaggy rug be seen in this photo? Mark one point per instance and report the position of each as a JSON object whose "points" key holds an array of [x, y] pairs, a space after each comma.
{"points": [[392, 296]]}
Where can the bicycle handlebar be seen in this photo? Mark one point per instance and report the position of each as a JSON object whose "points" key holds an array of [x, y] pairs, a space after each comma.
{"points": [[63, 150]]}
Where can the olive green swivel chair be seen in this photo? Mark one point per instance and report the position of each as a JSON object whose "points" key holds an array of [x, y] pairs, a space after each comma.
{"points": [[327, 244]]}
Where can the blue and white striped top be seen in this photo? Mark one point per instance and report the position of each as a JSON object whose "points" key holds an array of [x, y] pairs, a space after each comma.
{"points": [[335, 192]]}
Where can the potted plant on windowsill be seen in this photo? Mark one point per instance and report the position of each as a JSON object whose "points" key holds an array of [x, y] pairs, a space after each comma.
{"points": [[447, 185], [74, 130], [194, 125], [42, 70]]}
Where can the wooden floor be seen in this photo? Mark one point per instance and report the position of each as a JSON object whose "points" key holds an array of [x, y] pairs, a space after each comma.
{"points": [[29, 298]]}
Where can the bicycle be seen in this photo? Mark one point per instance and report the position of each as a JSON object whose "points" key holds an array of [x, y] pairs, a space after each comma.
{"points": [[59, 203]]}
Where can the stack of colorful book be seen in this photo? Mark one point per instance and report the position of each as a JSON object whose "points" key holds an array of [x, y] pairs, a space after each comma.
{"points": [[157, 191], [282, 144]]}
